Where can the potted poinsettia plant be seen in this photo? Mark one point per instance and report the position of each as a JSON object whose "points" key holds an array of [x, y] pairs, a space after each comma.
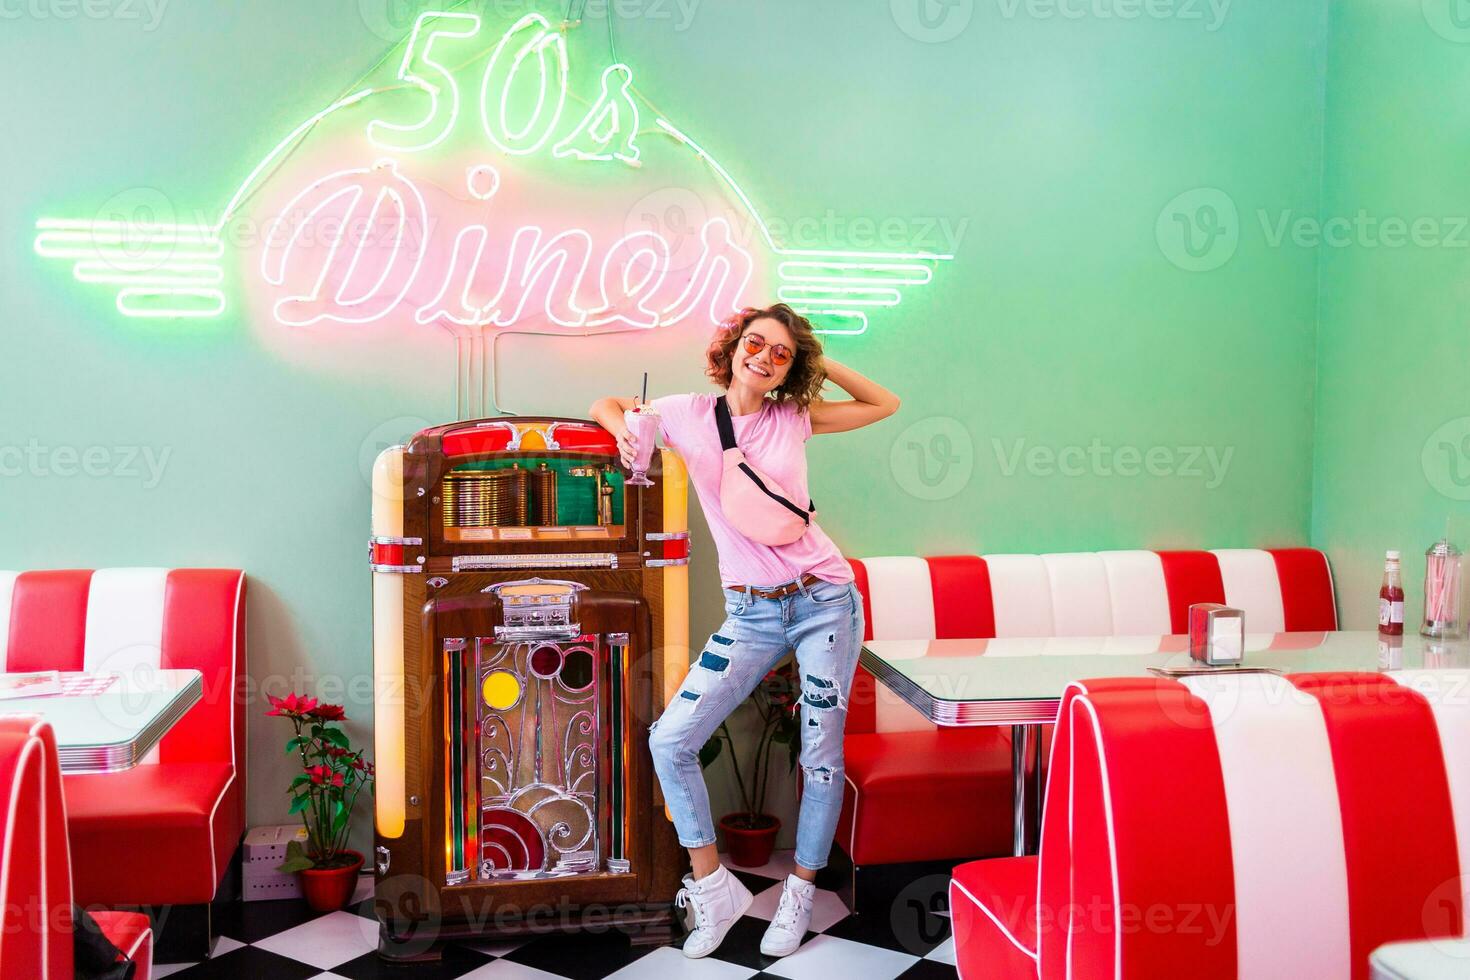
{"points": [[324, 794], [773, 707]]}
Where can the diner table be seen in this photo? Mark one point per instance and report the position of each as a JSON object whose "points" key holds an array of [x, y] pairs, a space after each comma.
{"points": [[1019, 681], [110, 722]]}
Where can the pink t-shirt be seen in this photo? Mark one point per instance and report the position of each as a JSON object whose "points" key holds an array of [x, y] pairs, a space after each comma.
{"points": [[774, 441]]}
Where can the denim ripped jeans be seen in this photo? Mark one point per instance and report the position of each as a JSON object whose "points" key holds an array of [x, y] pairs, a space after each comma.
{"points": [[823, 622]]}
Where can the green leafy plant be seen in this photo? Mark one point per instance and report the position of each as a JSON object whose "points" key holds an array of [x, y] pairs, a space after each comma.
{"points": [[326, 790], [775, 704]]}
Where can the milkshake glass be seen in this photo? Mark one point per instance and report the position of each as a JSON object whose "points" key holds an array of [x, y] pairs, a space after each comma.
{"points": [[642, 421]]}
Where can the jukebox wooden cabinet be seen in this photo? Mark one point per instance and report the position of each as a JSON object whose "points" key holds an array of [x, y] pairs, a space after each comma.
{"points": [[530, 618]]}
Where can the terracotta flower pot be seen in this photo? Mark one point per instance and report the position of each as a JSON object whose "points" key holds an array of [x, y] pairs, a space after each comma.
{"points": [[750, 846], [329, 889]]}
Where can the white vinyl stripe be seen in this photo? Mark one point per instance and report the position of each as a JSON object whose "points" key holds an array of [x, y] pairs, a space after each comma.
{"points": [[7, 591], [1080, 601], [213, 861], [125, 619], [1020, 591], [1251, 583], [132, 951], [1448, 694], [1140, 597], [1105, 789], [856, 809], [1331, 584], [32, 746], [901, 597], [955, 885], [1273, 748]]}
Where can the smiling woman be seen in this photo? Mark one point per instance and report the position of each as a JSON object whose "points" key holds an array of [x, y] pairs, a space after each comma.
{"points": [[787, 588]]}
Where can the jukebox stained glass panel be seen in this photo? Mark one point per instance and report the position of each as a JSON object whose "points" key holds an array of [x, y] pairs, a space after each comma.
{"points": [[539, 750], [536, 718]]}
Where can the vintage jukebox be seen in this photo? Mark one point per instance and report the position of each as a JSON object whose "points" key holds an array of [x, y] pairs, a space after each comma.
{"points": [[530, 619]]}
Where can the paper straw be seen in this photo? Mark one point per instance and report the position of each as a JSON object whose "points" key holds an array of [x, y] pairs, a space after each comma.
{"points": [[644, 400]]}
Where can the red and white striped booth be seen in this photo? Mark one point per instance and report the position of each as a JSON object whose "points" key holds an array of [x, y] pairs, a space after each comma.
{"points": [[1247, 826], [35, 888], [163, 832], [898, 763]]}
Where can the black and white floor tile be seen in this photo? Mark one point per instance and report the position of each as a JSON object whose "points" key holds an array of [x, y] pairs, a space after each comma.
{"points": [[286, 941]]}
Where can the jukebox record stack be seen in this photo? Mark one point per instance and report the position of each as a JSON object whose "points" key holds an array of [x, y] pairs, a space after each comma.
{"points": [[530, 618]]}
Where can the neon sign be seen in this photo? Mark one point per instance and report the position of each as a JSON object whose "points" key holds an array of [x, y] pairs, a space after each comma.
{"points": [[438, 210]]}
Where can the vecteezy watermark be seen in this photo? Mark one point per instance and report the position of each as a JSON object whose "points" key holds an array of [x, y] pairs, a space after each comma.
{"points": [[1442, 917], [1207, 463], [393, 20], [140, 230], [1364, 230], [932, 21], [679, 13], [148, 13], [680, 215], [1450, 19], [384, 435], [145, 463], [1199, 229], [1211, 13], [918, 916], [933, 458], [1446, 458], [896, 233]]}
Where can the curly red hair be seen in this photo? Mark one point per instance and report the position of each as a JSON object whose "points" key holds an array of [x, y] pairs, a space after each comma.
{"points": [[804, 379]]}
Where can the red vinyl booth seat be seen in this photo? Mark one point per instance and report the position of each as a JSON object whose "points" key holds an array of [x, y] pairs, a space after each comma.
{"points": [[35, 883], [1234, 826], [163, 832], [898, 763]]}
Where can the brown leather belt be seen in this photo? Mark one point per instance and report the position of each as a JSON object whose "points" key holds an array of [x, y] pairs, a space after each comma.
{"points": [[779, 591]]}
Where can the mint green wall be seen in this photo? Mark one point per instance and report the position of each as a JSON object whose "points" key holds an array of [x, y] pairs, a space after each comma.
{"points": [[1392, 463], [1068, 327]]}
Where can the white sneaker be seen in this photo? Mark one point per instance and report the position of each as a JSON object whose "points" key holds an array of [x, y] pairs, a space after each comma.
{"points": [[715, 902], [793, 917]]}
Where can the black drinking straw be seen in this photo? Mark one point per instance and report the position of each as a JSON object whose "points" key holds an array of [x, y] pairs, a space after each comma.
{"points": [[644, 401]]}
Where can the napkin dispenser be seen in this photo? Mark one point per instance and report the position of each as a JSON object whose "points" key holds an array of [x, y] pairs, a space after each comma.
{"points": [[1216, 634]]}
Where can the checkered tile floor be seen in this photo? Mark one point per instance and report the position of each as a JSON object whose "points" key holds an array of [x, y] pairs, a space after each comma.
{"points": [[285, 941]]}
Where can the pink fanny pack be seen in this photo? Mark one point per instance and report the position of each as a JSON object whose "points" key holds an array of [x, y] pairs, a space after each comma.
{"points": [[753, 503]]}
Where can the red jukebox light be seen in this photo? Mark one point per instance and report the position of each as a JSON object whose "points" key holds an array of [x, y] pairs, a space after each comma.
{"points": [[530, 617]]}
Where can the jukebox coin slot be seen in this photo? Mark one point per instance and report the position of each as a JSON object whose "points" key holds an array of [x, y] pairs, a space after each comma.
{"points": [[536, 609]]}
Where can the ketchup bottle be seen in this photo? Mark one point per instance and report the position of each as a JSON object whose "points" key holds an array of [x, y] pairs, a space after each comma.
{"points": [[1391, 598]]}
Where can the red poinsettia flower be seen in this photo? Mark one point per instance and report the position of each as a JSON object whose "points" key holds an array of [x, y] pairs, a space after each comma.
{"points": [[328, 712], [292, 705], [324, 776], [353, 759]]}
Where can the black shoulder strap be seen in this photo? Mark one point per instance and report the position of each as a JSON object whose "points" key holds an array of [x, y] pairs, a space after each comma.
{"points": [[803, 514], [723, 423], [727, 441]]}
